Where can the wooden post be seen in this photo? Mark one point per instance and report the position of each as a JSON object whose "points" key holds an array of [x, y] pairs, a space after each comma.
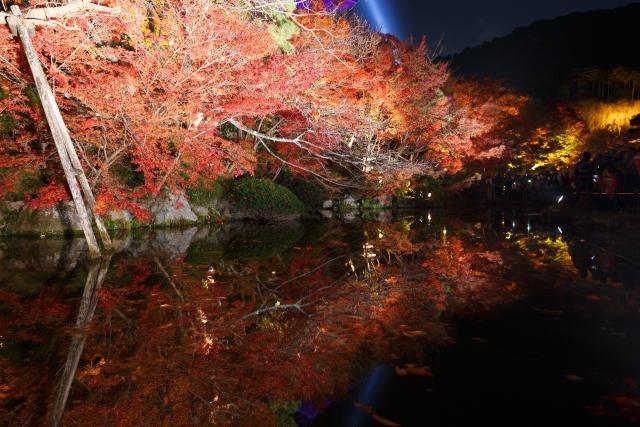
{"points": [[66, 151], [84, 182]]}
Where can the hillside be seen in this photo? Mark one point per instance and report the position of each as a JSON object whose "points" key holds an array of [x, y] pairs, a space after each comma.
{"points": [[564, 57]]}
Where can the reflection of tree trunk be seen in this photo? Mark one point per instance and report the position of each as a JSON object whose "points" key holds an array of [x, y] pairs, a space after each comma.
{"points": [[166, 276], [95, 277]]}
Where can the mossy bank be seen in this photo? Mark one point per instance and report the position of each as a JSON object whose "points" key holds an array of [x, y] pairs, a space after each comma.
{"points": [[255, 199]]}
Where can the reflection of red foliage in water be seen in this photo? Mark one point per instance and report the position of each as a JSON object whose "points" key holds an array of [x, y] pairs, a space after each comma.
{"points": [[625, 406], [155, 359]]}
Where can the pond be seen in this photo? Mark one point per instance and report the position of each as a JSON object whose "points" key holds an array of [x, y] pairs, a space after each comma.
{"points": [[425, 318]]}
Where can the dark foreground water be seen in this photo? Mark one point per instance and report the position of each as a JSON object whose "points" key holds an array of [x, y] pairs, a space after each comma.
{"points": [[425, 319]]}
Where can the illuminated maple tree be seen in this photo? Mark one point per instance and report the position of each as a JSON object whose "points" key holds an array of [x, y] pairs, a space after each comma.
{"points": [[152, 91]]}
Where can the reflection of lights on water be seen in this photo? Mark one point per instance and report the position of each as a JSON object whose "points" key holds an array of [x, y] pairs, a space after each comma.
{"points": [[560, 199], [559, 230], [351, 266], [367, 247], [208, 343], [201, 316], [209, 280]]}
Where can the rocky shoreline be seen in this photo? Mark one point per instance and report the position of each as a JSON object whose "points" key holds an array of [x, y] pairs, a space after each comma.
{"points": [[173, 210]]}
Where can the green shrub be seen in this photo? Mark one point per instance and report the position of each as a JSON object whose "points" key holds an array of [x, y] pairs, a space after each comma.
{"points": [[309, 193], [263, 196], [205, 195]]}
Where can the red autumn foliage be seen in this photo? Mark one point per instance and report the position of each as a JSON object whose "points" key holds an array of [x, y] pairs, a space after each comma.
{"points": [[155, 90]]}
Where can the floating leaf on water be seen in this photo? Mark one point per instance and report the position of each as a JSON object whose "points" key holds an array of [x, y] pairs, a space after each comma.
{"points": [[413, 334], [511, 287], [392, 280], [411, 369], [383, 421], [376, 418]]}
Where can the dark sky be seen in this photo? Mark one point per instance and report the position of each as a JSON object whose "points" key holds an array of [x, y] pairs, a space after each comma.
{"points": [[461, 23]]}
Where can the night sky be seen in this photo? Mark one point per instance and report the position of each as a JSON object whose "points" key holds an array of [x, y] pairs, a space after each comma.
{"points": [[461, 23]]}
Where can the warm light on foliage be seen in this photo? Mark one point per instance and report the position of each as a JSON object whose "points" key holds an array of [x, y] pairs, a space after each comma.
{"points": [[547, 138], [170, 95], [613, 116]]}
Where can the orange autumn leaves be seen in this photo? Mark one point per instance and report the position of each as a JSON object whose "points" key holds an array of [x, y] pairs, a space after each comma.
{"points": [[155, 102]]}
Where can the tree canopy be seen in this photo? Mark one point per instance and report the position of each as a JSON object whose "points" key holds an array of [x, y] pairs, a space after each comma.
{"points": [[173, 94]]}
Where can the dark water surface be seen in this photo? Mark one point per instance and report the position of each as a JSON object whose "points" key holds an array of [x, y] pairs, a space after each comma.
{"points": [[489, 318]]}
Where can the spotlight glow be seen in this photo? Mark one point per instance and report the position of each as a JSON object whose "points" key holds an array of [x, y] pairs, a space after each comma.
{"points": [[378, 15]]}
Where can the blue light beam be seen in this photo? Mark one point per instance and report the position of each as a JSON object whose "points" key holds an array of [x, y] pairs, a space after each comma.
{"points": [[379, 16]]}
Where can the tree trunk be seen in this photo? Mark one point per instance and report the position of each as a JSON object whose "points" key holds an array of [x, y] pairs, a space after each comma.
{"points": [[86, 189], [59, 130]]}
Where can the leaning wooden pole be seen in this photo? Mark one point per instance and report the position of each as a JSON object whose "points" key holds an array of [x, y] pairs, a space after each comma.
{"points": [[84, 183], [60, 134]]}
